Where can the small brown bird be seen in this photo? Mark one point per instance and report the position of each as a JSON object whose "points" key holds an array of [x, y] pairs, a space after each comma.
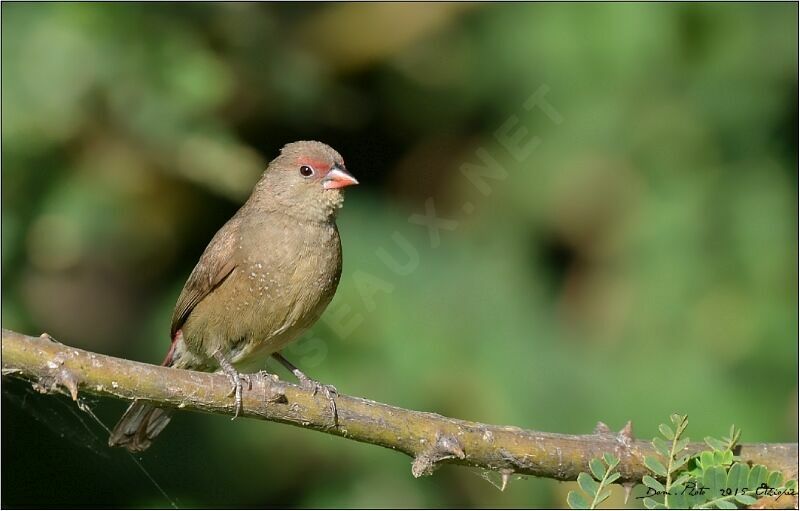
{"points": [[265, 278]]}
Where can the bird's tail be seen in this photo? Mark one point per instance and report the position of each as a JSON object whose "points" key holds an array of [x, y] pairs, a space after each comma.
{"points": [[142, 422], [139, 425]]}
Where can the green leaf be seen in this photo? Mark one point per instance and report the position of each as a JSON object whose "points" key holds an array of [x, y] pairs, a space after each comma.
{"points": [[680, 422], [588, 484], [651, 482], [666, 431], [576, 500], [597, 468], [681, 461], [706, 459], [696, 472], [692, 501], [734, 435], [679, 502], [724, 504], [715, 444], [603, 496], [775, 479], [681, 444], [737, 476], [722, 458], [758, 475], [611, 460], [661, 446], [613, 477], [656, 466], [747, 500], [715, 478], [652, 504], [681, 480]]}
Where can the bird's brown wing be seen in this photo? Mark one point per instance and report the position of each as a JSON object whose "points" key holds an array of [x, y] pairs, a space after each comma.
{"points": [[215, 265]]}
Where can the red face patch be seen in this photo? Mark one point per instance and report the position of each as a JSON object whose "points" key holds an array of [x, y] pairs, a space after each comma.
{"points": [[318, 165]]}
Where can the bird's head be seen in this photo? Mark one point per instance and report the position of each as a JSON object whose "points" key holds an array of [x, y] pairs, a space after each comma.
{"points": [[305, 181]]}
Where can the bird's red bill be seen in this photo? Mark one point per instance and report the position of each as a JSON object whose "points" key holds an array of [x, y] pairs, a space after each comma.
{"points": [[338, 178]]}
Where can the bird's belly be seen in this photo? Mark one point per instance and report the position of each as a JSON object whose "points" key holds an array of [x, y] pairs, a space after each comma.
{"points": [[262, 313]]}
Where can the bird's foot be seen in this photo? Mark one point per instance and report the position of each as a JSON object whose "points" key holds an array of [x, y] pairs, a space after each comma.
{"points": [[313, 386], [236, 382], [236, 379], [267, 376]]}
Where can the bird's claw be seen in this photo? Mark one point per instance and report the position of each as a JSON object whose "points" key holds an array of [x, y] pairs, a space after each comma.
{"points": [[247, 379], [310, 385], [267, 376], [236, 381], [314, 387], [329, 391]]}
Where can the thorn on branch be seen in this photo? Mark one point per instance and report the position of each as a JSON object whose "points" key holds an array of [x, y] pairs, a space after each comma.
{"points": [[625, 435], [505, 476], [445, 447], [449, 447], [57, 376], [70, 382], [624, 438], [601, 428], [628, 487]]}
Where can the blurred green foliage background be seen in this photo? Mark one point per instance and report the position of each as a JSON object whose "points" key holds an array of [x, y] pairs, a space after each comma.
{"points": [[641, 261]]}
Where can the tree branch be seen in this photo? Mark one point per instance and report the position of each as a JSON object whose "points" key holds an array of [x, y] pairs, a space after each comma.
{"points": [[427, 437]]}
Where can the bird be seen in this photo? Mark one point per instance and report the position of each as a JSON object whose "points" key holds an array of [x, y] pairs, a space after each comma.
{"points": [[264, 279]]}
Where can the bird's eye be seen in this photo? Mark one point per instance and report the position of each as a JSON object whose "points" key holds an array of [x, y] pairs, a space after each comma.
{"points": [[306, 171]]}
